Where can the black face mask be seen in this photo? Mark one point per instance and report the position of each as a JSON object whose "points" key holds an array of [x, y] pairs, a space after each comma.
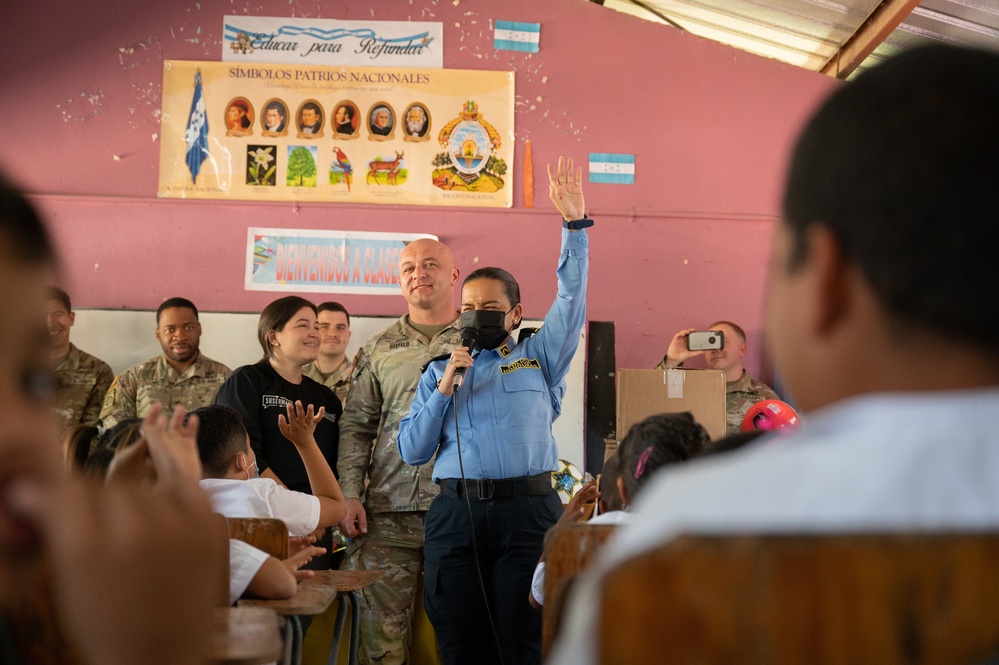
{"points": [[487, 326]]}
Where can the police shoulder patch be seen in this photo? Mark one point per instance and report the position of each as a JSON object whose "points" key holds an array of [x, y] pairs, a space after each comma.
{"points": [[523, 363]]}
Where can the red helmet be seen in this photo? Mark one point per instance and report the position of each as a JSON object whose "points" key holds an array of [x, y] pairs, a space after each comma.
{"points": [[768, 415]]}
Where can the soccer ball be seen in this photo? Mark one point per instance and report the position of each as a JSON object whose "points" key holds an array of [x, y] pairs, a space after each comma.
{"points": [[567, 480], [770, 414]]}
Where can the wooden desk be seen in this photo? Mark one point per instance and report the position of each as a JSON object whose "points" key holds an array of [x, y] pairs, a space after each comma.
{"points": [[348, 583], [314, 596], [352, 580], [245, 636]]}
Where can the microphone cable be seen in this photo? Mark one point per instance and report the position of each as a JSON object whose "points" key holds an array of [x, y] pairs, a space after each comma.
{"points": [[471, 528]]}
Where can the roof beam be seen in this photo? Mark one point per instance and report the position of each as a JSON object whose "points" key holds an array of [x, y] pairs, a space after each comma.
{"points": [[885, 18]]}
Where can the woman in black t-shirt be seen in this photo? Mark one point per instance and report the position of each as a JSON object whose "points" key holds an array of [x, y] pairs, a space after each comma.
{"points": [[288, 332]]}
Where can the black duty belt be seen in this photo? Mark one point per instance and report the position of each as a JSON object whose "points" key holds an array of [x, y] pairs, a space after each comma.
{"points": [[499, 488]]}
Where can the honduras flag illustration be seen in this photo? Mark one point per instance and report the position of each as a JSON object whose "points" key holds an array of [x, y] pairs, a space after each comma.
{"points": [[516, 36], [611, 168], [197, 131]]}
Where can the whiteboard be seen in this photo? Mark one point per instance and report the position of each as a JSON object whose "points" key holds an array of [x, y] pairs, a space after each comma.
{"points": [[123, 338]]}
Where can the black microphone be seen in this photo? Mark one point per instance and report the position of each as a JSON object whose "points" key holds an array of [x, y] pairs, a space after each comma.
{"points": [[469, 337]]}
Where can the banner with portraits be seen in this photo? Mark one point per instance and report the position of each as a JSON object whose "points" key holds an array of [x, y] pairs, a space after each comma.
{"points": [[439, 137]]}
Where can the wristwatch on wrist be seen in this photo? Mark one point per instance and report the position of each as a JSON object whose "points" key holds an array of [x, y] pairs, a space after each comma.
{"points": [[583, 223]]}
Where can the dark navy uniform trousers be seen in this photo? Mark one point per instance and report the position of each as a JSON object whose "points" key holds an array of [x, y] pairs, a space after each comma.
{"points": [[509, 535]]}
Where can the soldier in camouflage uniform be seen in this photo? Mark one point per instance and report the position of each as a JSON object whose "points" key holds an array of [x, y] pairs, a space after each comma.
{"points": [[742, 394], [331, 368], [387, 499], [80, 379], [180, 375], [741, 390]]}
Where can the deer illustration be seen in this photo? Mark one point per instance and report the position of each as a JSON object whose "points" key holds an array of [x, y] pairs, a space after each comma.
{"points": [[389, 167]]}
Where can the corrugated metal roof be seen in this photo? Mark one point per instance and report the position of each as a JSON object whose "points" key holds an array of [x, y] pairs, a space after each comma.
{"points": [[840, 36]]}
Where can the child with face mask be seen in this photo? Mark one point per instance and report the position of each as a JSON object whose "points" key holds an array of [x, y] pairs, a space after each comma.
{"points": [[233, 483], [496, 500]]}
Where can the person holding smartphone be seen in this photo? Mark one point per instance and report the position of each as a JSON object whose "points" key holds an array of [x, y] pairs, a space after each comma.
{"points": [[726, 353]]}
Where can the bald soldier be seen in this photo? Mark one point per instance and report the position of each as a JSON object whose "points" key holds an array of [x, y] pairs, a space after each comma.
{"points": [[180, 375], [387, 499]]}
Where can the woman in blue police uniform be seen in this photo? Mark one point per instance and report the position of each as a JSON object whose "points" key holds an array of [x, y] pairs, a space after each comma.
{"points": [[509, 397]]}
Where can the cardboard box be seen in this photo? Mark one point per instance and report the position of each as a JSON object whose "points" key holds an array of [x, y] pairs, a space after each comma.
{"points": [[610, 448], [644, 392]]}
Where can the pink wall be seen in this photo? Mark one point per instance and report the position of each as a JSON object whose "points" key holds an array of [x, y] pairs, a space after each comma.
{"points": [[686, 244]]}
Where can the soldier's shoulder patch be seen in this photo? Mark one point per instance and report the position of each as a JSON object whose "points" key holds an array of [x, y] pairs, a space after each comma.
{"points": [[354, 362], [112, 394], [362, 359]]}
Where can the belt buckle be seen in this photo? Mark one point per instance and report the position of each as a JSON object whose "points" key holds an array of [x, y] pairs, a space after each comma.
{"points": [[486, 488]]}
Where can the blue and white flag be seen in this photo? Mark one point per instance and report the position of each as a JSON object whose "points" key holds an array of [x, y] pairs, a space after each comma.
{"points": [[196, 134], [610, 168], [514, 36]]}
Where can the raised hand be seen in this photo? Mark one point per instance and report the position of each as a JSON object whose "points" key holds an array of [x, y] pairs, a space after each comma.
{"points": [[173, 444], [565, 189], [132, 464], [300, 423]]}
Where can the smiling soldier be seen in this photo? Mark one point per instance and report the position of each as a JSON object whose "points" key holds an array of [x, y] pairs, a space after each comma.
{"points": [[81, 380], [180, 375], [331, 368], [387, 499]]}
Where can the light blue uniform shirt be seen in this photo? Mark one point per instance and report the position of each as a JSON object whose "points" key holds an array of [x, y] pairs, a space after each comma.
{"points": [[510, 395]]}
